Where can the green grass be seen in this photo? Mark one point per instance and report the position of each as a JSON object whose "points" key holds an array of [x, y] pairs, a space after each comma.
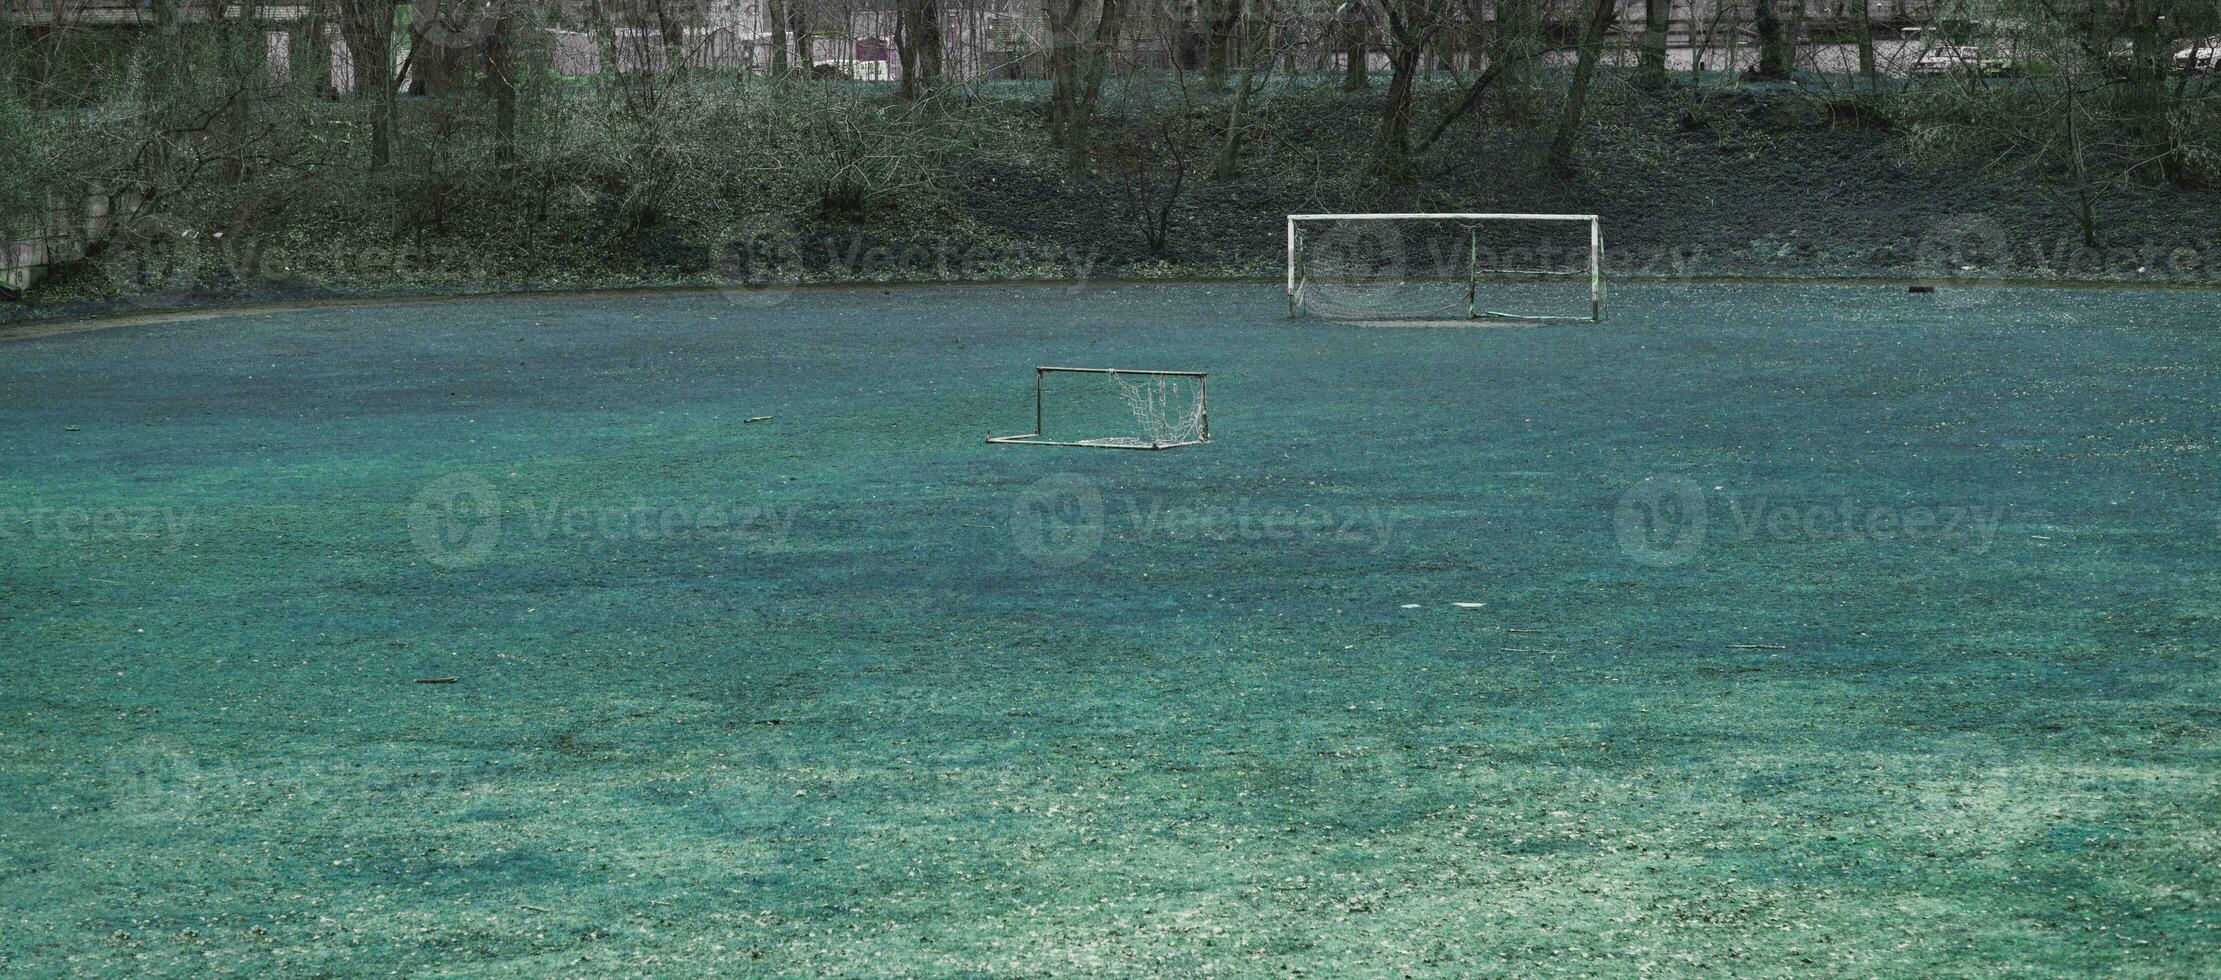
{"points": [[917, 706]]}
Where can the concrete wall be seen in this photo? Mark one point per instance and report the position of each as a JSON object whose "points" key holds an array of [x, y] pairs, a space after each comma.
{"points": [[26, 254]]}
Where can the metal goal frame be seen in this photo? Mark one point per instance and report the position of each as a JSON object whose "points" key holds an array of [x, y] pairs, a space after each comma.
{"points": [[1034, 438], [1473, 309]]}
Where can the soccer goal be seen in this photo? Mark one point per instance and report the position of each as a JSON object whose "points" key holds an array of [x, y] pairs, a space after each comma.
{"points": [[1388, 267], [1108, 408]]}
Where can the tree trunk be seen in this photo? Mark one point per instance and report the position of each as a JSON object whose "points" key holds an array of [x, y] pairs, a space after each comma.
{"points": [[609, 60], [1777, 47], [672, 25], [432, 64], [1256, 69], [2147, 88], [2086, 205], [1356, 40], [23, 72], [309, 56], [369, 31], [1395, 125], [1733, 50], [241, 53], [1221, 18], [1062, 51], [168, 77], [1560, 156], [775, 13], [1519, 26], [1650, 68], [501, 78], [1411, 27], [1079, 56], [443, 35], [918, 42], [1228, 164], [1863, 25], [798, 27]]}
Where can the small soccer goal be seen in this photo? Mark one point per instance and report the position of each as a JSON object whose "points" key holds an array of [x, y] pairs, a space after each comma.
{"points": [[1425, 267], [1107, 408]]}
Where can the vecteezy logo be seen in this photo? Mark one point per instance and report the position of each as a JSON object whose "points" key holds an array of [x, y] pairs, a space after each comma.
{"points": [[755, 793], [1354, 270], [164, 266], [1058, 521], [1660, 521], [761, 263], [150, 776], [453, 30], [456, 521], [1965, 245]]}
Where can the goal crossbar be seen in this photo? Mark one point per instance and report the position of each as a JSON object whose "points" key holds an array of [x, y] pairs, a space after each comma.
{"points": [[1446, 216], [1474, 309]]}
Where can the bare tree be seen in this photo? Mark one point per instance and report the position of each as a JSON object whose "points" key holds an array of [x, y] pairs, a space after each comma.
{"points": [[918, 43], [1412, 26], [1150, 163], [1559, 159], [1261, 30], [1650, 67], [1221, 20], [798, 28], [500, 56], [1082, 34], [775, 17], [1777, 42], [310, 53], [439, 31], [368, 28], [1862, 26], [670, 18], [2080, 129], [1353, 24], [2151, 43], [1518, 43]]}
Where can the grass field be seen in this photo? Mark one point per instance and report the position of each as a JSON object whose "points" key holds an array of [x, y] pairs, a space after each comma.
{"points": [[1826, 630]]}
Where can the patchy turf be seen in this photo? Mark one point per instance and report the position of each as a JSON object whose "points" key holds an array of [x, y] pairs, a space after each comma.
{"points": [[1825, 630]]}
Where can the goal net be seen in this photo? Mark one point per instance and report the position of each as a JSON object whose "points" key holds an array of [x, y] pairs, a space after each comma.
{"points": [[1446, 266], [1113, 409]]}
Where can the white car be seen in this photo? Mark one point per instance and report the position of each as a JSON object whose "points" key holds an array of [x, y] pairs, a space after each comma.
{"points": [[2202, 57], [1960, 59]]}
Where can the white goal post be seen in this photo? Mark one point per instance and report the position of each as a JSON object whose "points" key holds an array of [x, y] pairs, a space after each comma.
{"points": [[1112, 408], [1524, 267]]}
